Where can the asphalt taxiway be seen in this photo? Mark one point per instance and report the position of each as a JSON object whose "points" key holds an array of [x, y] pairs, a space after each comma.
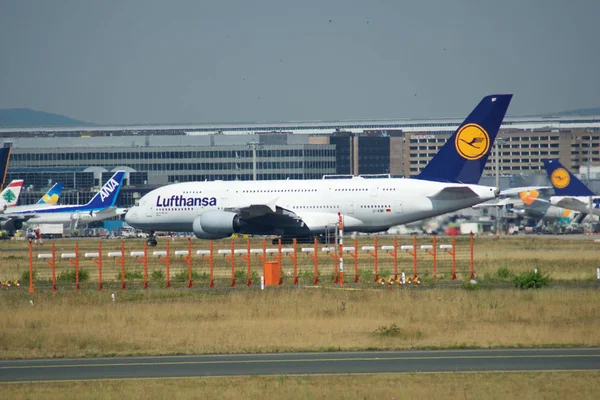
{"points": [[367, 362]]}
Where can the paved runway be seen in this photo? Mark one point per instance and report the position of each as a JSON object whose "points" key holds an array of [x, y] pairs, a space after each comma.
{"points": [[301, 363]]}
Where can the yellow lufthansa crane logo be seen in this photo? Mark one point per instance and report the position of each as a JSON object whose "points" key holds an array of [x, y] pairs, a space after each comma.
{"points": [[472, 142], [560, 178]]}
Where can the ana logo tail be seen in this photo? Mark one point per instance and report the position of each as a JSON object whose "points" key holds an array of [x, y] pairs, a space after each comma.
{"points": [[462, 158], [107, 196], [52, 195], [563, 181]]}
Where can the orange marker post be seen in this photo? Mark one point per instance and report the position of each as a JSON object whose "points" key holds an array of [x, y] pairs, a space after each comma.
{"points": [[294, 257], [144, 261], [167, 261], [98, 262], [280, 260], [315, 257], [188, 259], [472, 263], [453, 254], [232, 259], [31, 289], [375, 256], [341, 248], [76, 264], [248, 260], [121, 261], [394, 254], [52, 263], [335, 257], [414, 255], [354, 254], [210, 260], [433, 252]]}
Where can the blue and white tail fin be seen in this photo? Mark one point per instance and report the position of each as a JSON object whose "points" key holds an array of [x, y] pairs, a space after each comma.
{"points": [[52, 195], [462, 158], [563, 181], [107, 196], [10, 195], [4, 158]]}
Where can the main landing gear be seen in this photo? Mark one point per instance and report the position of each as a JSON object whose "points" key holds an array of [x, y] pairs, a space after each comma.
{"points": [[151, 239]]}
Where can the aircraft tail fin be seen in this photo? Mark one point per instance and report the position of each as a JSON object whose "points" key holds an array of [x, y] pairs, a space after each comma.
{"points": [[52, 195], [4, 158], [10, 195], [107, 196], [563, 181], [462, 158]]}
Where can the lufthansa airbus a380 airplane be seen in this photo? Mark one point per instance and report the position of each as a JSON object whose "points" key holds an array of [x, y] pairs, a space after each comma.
{"points": [[307, 208]]}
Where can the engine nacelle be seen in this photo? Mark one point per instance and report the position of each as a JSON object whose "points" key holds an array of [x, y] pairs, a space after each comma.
{"points": [[11, 225], [216, 224]]}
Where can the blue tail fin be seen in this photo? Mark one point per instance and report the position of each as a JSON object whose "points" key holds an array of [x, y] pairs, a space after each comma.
{"points": [[52, 195], [563, 181], [462, 158], [107, 196], [4, 158]]}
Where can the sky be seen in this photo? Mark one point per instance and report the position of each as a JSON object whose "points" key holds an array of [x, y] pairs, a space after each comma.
{"points": [[148, 61]]}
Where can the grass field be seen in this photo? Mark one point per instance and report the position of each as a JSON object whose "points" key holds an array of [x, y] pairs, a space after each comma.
{"points": [[242, 320], [501, 385]]}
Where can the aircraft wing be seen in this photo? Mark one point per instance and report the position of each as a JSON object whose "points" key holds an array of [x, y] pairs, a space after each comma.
{"points": [[517, 190], [21, 217], [454, 193], [266, 212], [498, 203], [250, 211], [571, 203]]}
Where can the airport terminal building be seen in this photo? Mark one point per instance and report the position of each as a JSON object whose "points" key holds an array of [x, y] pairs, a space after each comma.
{"points": [[82, 158]]}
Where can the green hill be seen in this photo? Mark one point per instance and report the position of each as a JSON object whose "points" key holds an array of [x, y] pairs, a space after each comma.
{"points": [[25, 117]]}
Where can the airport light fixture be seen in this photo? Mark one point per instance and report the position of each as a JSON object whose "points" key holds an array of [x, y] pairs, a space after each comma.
{"points": [[254, 145]]}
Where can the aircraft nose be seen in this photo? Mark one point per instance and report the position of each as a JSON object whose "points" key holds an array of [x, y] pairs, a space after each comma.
{"points": [[131, 216]]}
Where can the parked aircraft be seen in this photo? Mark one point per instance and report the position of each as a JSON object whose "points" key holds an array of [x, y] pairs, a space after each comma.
{"points": [[569, 191], [307, 208], [534, 205], [100, 207]]}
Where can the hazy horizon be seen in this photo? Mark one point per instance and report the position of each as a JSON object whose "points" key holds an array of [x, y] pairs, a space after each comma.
{"points": [[155, 62]]}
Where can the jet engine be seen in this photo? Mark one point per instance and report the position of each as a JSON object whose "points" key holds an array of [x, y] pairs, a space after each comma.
{"points": [[11, 225], [216, 224]]}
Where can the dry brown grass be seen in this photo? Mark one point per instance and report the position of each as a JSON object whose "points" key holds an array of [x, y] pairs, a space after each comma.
{"points": [[525, 385], [564, 258], [247, 320]]}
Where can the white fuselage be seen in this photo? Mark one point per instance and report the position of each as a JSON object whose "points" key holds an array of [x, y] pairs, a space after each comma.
{"points": [[367, 205]]}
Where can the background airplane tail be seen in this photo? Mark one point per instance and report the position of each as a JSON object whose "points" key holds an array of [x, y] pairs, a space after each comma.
{"points": [[52, 195], [4, 158], [462, 158], [10, 195], [107, 196], [563, 181]]}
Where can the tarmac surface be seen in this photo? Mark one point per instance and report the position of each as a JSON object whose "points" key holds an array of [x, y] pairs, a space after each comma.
{"points": [[366, 362]]}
